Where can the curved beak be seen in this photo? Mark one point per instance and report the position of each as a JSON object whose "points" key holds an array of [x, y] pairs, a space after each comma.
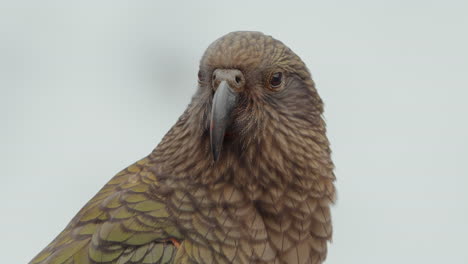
{"points": [[224, 101]]}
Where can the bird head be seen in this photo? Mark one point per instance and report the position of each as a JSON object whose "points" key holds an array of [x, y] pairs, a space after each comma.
{"points": [[253, 88]]}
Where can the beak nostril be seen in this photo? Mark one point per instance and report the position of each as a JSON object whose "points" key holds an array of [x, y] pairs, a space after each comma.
{"points": [[238, 79], [214, 76]]}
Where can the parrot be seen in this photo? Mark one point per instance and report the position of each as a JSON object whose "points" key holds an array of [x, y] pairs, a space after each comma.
{"points": [[245, 174]]}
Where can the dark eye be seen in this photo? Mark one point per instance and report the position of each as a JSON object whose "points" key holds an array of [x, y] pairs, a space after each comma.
{"points": [[200, 76], [276, 79]]}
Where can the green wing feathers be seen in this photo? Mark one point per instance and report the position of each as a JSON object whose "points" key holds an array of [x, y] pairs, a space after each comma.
{"points": [[124, 223]]}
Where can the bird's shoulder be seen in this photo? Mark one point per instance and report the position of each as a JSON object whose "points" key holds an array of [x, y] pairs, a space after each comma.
{"points": [[126, 221]]}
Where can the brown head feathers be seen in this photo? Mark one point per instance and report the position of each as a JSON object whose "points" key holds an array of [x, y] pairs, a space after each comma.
{"points": [[276, 136]]}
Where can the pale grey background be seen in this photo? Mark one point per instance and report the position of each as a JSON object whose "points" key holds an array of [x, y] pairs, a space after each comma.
{"points": [[88, 87]]}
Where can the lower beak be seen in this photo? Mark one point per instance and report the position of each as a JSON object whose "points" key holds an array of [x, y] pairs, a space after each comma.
{"points": [[224, 101]]}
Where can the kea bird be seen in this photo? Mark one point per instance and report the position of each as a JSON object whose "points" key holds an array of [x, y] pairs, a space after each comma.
{"points": [[244, 175]]}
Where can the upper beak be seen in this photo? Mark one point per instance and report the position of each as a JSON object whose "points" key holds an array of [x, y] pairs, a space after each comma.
{"points": [[224, 101]]}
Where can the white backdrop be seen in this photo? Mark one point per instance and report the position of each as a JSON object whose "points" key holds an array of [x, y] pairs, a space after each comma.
{"points": [[88, 87]]}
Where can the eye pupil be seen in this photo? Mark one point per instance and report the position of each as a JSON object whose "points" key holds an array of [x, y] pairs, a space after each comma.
{"points": [[276, 79]]}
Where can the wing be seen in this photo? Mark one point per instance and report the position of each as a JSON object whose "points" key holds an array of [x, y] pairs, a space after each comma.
{"points": [[126, 222]]}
